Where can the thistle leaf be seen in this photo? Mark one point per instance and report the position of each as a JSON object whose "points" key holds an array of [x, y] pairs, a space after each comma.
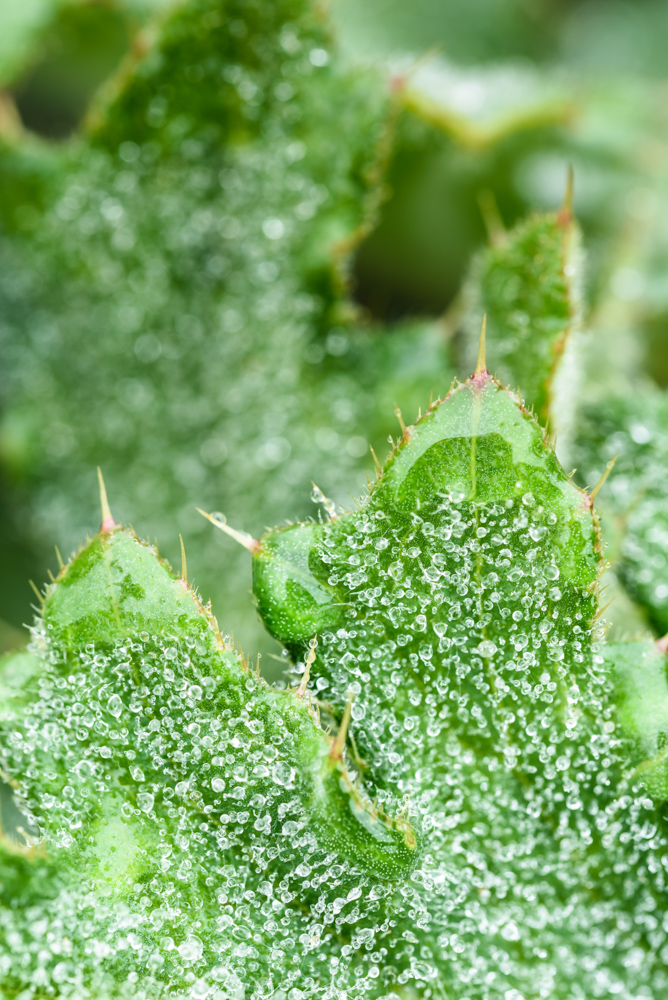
{"points": [[145, 750], [458, 600], [470, 539]]}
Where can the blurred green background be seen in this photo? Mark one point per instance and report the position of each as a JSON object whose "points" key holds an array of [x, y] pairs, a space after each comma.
{"points": [[501, 96]]}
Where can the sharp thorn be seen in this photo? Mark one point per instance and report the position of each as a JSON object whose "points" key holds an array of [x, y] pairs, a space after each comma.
{"points": [[308, 663], [379, 467], [242, 537], [601, 611], [336, 752], [184, 564], [481, 363], [108, 523], [599, 484], [61, 564], [40, 597], [400, 419]]}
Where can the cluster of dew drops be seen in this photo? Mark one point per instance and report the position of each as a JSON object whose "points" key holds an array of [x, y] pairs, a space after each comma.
{"points": [[480, 693]]}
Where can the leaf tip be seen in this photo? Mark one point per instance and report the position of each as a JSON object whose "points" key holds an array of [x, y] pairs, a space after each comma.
{"points": [[184, 563]]}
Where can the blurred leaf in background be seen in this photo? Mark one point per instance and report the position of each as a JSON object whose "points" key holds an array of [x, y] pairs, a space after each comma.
{"points": [[137, 329]]}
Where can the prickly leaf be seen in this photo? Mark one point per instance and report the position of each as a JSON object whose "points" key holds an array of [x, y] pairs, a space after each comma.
{"points": [[457, 603], [151, 757]]}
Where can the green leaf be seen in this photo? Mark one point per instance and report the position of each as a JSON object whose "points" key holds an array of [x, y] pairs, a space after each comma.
{"points": [[464, 590], [147, 750]]}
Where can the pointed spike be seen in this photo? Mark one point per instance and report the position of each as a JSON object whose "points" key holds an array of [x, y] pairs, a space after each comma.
{"points": [[601, 611], [608, 469], [308, 663], [336, 752], [400, 419], [379, 467], [242, 537], [184, 563], [108, 523], [481, 364], [40, 597], [61, 564], [565, 216]]}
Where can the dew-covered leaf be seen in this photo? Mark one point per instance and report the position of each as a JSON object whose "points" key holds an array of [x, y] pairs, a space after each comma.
{"points": [[473, 546], [458, 602], [149, 756]]}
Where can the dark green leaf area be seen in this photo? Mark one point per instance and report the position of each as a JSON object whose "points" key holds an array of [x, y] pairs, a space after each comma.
{"points": [[527, 286], [294, 605]]}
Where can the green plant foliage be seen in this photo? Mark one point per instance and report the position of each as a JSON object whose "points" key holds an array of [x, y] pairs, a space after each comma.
{"points": [[176, 787], [457, 602], [458, 791], [181, 274], [200, 823]]}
